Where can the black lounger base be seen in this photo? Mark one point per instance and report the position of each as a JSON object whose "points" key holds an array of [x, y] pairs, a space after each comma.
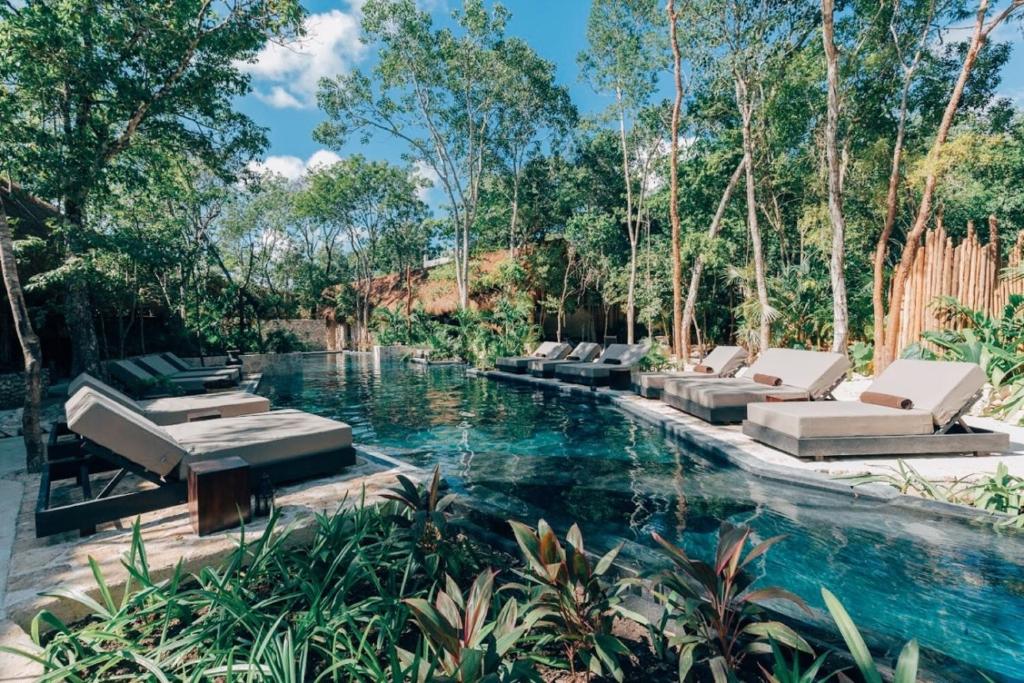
{"points": [[956, 440], [516, 366], [83, 516], [715, 416]]}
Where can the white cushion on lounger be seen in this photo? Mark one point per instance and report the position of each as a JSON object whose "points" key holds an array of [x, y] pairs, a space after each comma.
{"points": [[87, 380], [725, 360], [814, 371], [729, 391], [939, 387], [808, 419], [122, 431], [544, 349], [261, 439], [177, 409]]}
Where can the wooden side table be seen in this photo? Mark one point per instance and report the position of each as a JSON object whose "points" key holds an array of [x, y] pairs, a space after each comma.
{"points": [[218, 490]]}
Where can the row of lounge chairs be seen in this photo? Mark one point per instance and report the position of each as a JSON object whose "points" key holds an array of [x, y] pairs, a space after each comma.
{"points": [[785, 400], [156, 440], [584, 364], [154, 373]]}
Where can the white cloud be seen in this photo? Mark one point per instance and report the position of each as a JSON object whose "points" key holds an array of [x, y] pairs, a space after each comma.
{"points": [[287, 75], [292, 167], [429, 175], [279, 98]]}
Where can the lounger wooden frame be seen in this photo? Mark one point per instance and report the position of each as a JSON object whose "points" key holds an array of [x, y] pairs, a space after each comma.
{"points": [[976, 441], [732, 414], [955, 436], [86, 514]]}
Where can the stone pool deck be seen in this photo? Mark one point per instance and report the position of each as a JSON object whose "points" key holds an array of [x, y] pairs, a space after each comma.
{"points": [[729, 442], [30, 567]]}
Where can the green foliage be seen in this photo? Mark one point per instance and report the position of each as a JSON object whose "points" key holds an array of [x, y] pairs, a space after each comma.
{"points": [[470, 645], [862, 356], [994, 343], [656, 358], [906, 665], [282, 341], [569, 599], [715, 606], [1001, 492]]}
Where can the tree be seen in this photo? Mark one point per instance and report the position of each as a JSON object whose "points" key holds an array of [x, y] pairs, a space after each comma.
{"points": [[624, 53], [532, 110], [369, 201], [840, 323], [104, 89], [441, 92], [673, 201], [35, 452], [983, 27]]}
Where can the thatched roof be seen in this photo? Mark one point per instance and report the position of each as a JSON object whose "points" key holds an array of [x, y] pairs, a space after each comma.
{"points": [[432, 290]]}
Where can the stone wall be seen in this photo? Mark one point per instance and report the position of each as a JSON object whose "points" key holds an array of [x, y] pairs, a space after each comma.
{"points": [[12, 389], [312, 333]]}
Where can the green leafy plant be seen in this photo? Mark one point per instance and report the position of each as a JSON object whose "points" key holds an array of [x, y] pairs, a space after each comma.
{"points": [[906, 664], [792, 670], [470, 646], [862, 356], [569, 599], [716, 606]]}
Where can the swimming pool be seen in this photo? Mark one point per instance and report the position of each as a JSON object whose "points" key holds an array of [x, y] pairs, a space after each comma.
{"points": [[956, 587]]}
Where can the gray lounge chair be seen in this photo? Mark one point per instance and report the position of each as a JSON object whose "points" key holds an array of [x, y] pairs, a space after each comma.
{"points": [[613, 368], [143, 382], [547, 350], [914, 407], [778, 375], [723, 361], [287, 445], [184, 366], [161, 366], [177, 409], [582, 352]]}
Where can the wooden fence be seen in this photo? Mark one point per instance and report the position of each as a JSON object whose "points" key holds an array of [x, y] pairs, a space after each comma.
{"points": [[969, 271]]}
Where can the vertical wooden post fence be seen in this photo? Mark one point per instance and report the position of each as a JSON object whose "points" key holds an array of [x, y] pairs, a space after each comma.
{"points": [[969, 271]]}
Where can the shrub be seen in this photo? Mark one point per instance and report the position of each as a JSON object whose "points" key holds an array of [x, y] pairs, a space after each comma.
{"points": [[281, 340]]}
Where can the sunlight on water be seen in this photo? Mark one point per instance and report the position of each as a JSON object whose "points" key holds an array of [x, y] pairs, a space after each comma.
{"points": [[957, 588]]}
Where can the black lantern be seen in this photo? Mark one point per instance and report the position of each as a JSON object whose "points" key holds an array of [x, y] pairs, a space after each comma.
{"points": [[264, 496]]}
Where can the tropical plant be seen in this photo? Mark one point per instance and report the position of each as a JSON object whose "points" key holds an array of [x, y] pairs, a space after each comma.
{"points": [[469, 646], [861, 355], [792, 670], [656, 358], [569, 600], [906, 664], [715, 606]]}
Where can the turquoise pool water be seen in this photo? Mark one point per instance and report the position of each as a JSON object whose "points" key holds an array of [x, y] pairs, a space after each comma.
{"points": [[957, 588]]}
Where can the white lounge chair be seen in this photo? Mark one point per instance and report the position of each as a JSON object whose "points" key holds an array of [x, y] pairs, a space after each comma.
{"points": [[287, 445], [914, 407], [723, 361], [778, 375], [584, 351], [546, 350], [177, 409]]}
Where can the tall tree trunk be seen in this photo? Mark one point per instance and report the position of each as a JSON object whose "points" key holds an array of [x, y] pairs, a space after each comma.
{"points": [[35, 453], [835, 192], [85, 353], [881, 356], [673, 203], [746, 113], [698, 262], [631, 227], [514, 220], [979, 36]]}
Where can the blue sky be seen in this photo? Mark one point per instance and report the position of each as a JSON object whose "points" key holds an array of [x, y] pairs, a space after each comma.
{"points": [[284, 78]]}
